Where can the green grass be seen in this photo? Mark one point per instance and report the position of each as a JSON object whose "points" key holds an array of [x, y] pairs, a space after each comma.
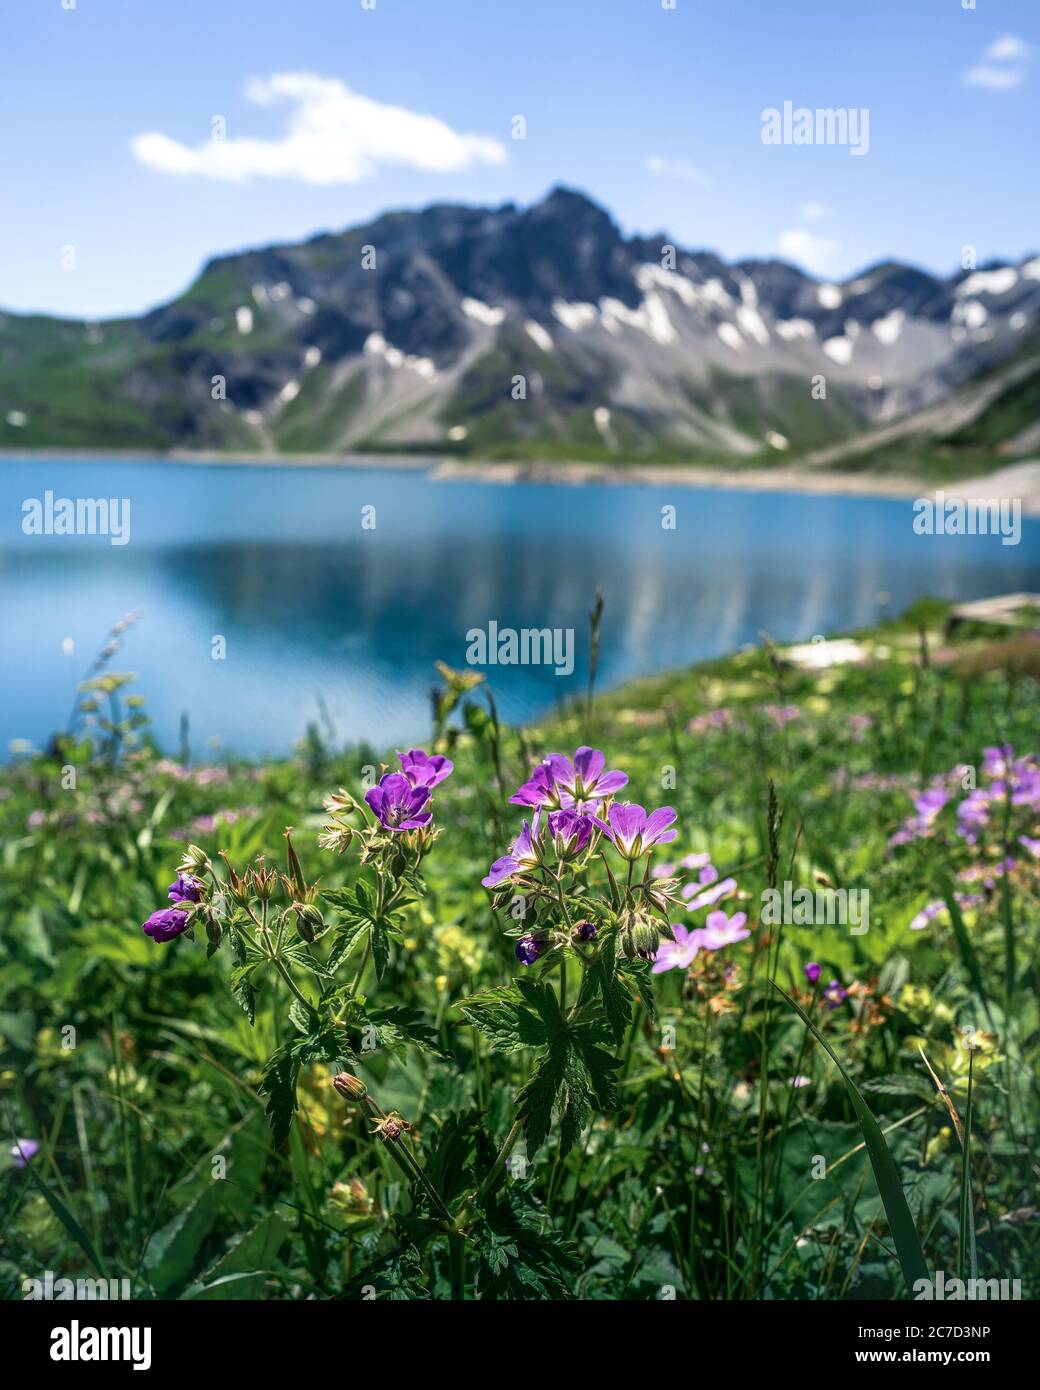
{"points": [[707, 1173]]}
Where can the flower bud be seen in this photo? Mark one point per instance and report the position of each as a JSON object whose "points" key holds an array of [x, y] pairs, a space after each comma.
{"points": [[237, 887], [309, 920], [585, 931], [195, 862], [664, 893], [335, 837], [295, 885], [262, 880], [350, 1087], [529, 948], [640, 935]]}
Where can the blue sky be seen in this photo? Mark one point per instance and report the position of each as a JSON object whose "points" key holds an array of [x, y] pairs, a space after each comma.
{"points": [[657, 113]]}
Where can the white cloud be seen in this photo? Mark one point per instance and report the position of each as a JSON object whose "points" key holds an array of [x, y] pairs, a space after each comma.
{"points": [[1003, 66], [677, 169], [334, 135], [1008, 49], [997, 79], [812, 212], [816, 253]]}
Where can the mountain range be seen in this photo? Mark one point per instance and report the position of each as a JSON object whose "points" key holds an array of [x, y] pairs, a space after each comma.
{"points": [[542, 332]]}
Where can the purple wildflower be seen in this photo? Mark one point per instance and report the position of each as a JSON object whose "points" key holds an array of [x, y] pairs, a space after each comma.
{"points": [[932, 910], [714, 719], [678, 954], [1025, 783], [185, 889], [570, 832], [423, 769], [812, 972], [632, 832], [717, 932], [23, 1151], [524, 853], [698, 860], [781, 715], [540, 789], [930, 803], [165, 924], [995, 760], [720, 930], [585, 931], [835, 994], [397, 804], [529, 948], [707, 896], [584, 779], [972, 815]]}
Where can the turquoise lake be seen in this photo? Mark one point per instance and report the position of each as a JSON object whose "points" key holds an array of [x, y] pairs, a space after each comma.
{"points": [[316, 610]]}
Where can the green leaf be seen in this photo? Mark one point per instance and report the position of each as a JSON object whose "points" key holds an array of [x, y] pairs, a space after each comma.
{"points": [[520, 1256], [503, 1018], [638, 971], [617, 1003], [537, 1098], [345, 938], [380, 936], [575, 1097], [400, 1024], [278, 1085], [302, 1016], [239, 1273], [542, 999], [966, 1249], [886, 1174], [297, 954], [67, 1219]]}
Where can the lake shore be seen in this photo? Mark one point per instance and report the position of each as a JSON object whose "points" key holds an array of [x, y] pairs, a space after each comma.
{"points": [[1019, 480]]}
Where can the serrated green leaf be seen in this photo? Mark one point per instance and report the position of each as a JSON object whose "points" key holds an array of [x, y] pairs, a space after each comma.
{"points": [[278, 1086], [401, 1024], [537, 1098], [503, 1018], [617, 1003], [345, 938]]}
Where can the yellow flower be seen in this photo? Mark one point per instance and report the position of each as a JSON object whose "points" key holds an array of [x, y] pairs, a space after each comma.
{"points": [[457, 948]]}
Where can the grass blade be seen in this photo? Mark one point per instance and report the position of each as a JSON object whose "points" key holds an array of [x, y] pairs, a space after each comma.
{"points": [[67, 1219], [886, 1174], [966, 1241], [967, 950]]}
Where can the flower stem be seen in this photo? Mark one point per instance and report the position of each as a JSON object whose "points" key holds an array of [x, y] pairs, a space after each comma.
{"points": [[287, 977]]}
